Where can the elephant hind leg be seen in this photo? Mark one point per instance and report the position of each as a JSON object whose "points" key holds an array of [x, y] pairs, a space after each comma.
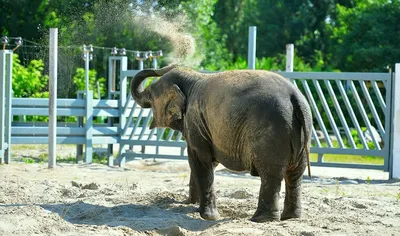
{"points": [[268, 200], [292, 204]]}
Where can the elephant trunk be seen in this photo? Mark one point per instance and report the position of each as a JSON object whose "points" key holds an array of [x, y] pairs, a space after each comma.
{"points": [[136, 88]]}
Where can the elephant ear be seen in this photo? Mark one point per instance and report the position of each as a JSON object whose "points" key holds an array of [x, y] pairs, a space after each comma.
{"points": [[176, 104]]}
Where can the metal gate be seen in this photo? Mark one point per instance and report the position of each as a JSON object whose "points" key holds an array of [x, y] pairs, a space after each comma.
{"points": [[351, 113], [134, 121]]}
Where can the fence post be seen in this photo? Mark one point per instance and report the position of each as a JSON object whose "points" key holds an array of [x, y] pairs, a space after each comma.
{"points": [[141, 57], [89, 127], [289, 57], [395, 152], [111, 91], [53, 57], [122, 102], [8, 116], [251, 60], [79, 147], [2, 103]]}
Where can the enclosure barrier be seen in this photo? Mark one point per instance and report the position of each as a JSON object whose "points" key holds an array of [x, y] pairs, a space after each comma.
{"points": [[340, 103], [347, 135], [346, 130], [69, 133], [341, 133]]}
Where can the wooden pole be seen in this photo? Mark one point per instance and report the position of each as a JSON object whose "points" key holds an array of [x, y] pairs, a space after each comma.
{"points": [[53, 60]]}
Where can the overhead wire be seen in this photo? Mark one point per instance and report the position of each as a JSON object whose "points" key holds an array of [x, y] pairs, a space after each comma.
{"points": [[35, 45]]}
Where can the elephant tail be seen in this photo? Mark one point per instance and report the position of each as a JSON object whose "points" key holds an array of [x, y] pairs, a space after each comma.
{"points": [[301, 116], [307, 150]]}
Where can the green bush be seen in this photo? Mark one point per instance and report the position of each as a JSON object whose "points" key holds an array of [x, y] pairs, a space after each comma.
{"points": [[29, 81], [95, 84], [357, 139], [80, 82]]}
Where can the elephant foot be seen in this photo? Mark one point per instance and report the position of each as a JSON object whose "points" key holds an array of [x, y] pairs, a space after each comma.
{"points": [[291, 214], [209, 214], [260, 217]]}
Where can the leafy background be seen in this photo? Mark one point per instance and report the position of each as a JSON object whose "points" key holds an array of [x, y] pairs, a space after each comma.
{"points": [[329, 35]]}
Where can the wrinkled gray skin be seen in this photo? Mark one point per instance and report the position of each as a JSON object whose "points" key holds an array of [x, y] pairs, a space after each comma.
{"points": [[245, 120]]}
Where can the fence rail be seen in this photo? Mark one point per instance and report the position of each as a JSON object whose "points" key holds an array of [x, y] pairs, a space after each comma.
{"points": [[345, 99], [351, 111], [340, 104]]}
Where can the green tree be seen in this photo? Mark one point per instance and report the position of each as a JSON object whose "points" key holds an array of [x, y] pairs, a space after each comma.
{"points": [[29, 81], [307, 24], [367, 36], [18, 18], [216, 55], [95, 84]]}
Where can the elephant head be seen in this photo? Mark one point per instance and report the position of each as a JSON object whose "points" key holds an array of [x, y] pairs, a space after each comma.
{"points": [[164, 97]]}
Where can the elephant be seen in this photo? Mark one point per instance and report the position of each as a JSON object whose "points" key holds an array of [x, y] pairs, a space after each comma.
{"points": [[246, 120]]}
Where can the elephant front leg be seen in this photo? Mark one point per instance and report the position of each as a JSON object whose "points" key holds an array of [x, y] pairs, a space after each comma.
{"points": [[193, 193], [203, 173], [268, 200]]}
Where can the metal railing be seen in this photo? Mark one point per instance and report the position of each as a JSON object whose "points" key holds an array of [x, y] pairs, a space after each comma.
{"points": [[351, 111], [134, 124]]}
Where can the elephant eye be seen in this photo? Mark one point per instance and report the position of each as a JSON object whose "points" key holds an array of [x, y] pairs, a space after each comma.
{"points": [[151, 97]]}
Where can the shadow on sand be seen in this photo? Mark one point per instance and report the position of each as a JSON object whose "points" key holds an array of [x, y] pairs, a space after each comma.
{"points": [[160, 215]]}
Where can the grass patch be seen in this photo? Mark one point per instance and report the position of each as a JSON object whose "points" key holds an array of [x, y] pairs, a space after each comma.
{"points": [[99, 158], [28, 160], [24, 147], [343, 158], [43, 158]]}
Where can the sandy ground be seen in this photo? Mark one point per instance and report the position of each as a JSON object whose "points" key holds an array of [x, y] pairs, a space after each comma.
{"points": [[145, 198]]}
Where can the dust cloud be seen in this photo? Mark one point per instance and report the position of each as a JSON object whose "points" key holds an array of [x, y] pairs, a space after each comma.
{"points": [[170, 32], [107, 24], [175, 31]]}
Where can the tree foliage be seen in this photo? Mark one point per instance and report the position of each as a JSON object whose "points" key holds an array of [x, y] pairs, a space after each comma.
{"points": [[216, 55], [367, 36], [329, 35], [345, 35], [97, 85], [29, 81]]}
